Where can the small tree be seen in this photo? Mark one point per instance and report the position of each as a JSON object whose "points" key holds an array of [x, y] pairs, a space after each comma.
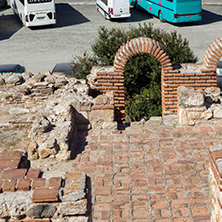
{"points": [[142, 71]]}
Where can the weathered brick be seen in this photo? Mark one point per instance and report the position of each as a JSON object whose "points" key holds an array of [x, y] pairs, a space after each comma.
{"points": [[45, 194], [11, 155], [23, 184], [9, 185], [38, 182], [33, 173], [7, 164], [13, 174], [55, 182]]}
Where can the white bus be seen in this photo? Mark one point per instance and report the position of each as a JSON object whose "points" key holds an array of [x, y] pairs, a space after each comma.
{"points": [[35, 12], [114, 8]]}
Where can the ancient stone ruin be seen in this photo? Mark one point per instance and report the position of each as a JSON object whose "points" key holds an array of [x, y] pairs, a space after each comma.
{"points": [[44, 113], [198, 106], [52, 108]]}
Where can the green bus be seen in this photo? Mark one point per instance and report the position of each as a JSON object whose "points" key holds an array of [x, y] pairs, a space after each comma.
{"points": [[175, 11]]}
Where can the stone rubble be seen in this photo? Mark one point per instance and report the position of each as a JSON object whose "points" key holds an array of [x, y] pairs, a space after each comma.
{"points": [[196, 106], [52, 108], [32, 196]]}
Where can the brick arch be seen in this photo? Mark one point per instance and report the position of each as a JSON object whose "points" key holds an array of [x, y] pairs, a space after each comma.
{"points": [[137, 46], [107, 79], [213, 54], [129, 49]]}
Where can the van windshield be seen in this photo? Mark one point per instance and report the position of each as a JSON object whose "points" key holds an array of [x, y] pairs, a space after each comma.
{"points": [[38, 1]]}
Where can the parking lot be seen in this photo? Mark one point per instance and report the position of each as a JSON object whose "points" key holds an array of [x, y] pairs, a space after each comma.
{"points": [[39, 49]]}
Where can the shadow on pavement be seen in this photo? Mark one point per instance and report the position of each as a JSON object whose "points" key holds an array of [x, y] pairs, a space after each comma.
{"points": [[9, 24], [67, 16], [210, 17], [137, 15], [207, 18]]}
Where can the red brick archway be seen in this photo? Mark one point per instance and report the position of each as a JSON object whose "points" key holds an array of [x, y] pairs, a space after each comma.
{"points": [[198, 75], [131, 48], [213, 54]]}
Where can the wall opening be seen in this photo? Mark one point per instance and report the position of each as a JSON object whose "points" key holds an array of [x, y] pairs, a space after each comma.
{"points": [[142, 82]]}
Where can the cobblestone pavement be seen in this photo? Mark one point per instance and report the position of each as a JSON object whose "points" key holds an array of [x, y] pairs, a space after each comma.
{"points": [[148, 174]]}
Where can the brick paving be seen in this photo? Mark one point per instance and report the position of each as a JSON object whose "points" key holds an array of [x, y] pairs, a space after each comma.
{"points": [[145, 174]]}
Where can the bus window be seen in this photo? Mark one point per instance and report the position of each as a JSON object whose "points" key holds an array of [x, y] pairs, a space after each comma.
{"points": [[22, 1], [38, 1], [105, 2]]}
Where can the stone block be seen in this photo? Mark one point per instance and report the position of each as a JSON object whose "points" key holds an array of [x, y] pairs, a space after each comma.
{"points": [[18, 111], [73, 208], [170, 120], [45, 194], [154, 121], [182, 116], [71, 219], [74, 189], [15, 79], [206, 115], [188, 97], [41, 211], [218, 112]]}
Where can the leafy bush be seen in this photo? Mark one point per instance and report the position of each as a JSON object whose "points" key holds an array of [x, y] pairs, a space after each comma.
{"points": [[142, 71]]}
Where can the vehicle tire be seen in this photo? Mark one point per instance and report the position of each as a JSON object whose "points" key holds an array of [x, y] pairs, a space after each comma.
{"points": [[160, 15], [97, 8], [107, 16], [135, 4]]}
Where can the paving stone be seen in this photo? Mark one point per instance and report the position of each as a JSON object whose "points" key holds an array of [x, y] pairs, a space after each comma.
{"points": [[45, 195], [78, 207], [164, 168], [13, 174], [74, 188]]}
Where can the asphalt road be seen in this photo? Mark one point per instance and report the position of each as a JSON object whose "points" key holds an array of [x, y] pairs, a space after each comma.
{"points": [[39, 49]]}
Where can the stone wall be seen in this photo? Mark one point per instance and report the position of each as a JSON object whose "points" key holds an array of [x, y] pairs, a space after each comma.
{"points": [[215, 182], [199, 76], [25, 195], [197, 106], [52, 109]]}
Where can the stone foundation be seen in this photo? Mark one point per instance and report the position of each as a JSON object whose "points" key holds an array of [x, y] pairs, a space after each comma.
{"points": [[52, 109], [215, 182], [197, 106], [27, 196]]}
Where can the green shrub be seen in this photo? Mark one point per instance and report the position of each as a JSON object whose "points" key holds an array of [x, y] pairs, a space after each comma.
{"points": [[142, 72]]}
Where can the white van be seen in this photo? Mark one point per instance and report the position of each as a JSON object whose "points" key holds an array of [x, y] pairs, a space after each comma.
{"points": [[114, 8], [35, 12]]}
